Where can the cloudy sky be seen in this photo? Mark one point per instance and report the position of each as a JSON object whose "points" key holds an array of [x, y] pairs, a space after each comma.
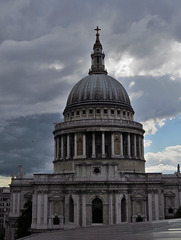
{"points": [[45, 49]]}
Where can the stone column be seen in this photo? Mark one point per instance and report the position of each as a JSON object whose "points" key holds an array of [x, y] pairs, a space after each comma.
{"points": [[103, 145], [39, 210], [139, 146], [121, 144], [75, 145], [112, 145], [180, 197], [67, 208], [84, 145], [55, 148], [45, 209], [156, 206], [76, 210], [83, 210], [34, 209], [68, 146], [18, 203], [62, 145], [117, 209], [14, 202], [58, 148], [129, 145], [110, 209], [93, 145], [162, 204], [150, 214], [135, 148], [142, 148]]}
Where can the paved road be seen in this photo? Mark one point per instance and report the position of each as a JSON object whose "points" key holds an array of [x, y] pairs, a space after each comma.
{"points": [[159, 230]]}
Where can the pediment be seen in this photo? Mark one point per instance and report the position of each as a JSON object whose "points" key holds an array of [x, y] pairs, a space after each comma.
{"points": [[138, 196], [170, 194], [56, 196]]}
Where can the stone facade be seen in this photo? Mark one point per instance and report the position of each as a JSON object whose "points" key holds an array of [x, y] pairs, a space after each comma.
{"points": [[99, 167]]}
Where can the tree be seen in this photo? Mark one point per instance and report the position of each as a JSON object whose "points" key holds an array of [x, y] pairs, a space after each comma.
{"points": [[178, 213], [24, 220]]}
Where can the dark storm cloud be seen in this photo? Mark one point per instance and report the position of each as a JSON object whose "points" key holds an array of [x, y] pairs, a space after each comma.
{"points": [[28, 141], [45, 49], [154, 97]]}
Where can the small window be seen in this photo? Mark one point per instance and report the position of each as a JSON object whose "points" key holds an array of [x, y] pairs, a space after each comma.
{"points": [[98, 111], [118, 112], [68, 115], [128, 114], [170, 210], [105, 111], [78, 113], [72, 114], [90, 111], [124, 113], [112, 111], [84, 112]]}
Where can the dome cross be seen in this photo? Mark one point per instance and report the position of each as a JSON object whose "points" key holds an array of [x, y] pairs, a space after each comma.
{"points": [[97, 34], [97, 29]]}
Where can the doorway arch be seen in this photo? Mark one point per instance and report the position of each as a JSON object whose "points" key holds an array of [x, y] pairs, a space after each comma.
{"points": [[97, 211]]}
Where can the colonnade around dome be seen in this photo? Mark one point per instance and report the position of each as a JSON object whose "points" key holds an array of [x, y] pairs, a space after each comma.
{"points": [[96, 145]]}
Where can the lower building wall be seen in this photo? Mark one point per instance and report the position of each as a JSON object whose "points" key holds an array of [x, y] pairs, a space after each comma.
{"points": [[80, 204]]}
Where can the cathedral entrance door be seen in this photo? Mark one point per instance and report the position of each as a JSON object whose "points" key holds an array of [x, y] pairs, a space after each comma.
{"points": [[97, 211]]}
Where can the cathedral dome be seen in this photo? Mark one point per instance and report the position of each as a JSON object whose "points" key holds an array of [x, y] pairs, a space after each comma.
{"points": [[98, 89]]}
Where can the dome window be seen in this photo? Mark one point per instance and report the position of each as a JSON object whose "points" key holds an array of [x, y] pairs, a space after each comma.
{"points": [[124, 113], [98, 111], [112, 111], [68, 115], [105, 111], [118, 112], [72, 114], [78, 113], [90, 111], [84, 112]]}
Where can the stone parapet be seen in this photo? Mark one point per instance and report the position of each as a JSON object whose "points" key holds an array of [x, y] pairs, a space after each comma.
{"points": [[99, 122]]}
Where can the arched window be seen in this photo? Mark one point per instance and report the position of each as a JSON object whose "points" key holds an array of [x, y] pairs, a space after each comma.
{"points": [[123, 210], [71, 209], [97, 211]]}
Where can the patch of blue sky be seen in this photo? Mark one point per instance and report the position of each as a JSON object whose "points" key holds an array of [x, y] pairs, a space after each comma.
{"points": [[167, 135]]}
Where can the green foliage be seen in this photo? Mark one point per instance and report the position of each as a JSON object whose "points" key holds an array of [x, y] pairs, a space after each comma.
{"points": [[178, 213], [24, 220]]}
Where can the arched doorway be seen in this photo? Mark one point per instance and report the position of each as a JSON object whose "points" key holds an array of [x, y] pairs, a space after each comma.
{"points": [[123, 210], [71, 209], [97, 211]]}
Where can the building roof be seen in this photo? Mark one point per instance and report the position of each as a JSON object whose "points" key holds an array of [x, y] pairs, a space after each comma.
{"points": [[98, 88]]}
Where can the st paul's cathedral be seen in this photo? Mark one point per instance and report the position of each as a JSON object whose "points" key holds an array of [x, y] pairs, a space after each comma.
{"points": [[99, 167]]}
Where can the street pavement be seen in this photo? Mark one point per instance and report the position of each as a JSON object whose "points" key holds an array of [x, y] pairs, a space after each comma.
{"points": [[157, 230]]}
